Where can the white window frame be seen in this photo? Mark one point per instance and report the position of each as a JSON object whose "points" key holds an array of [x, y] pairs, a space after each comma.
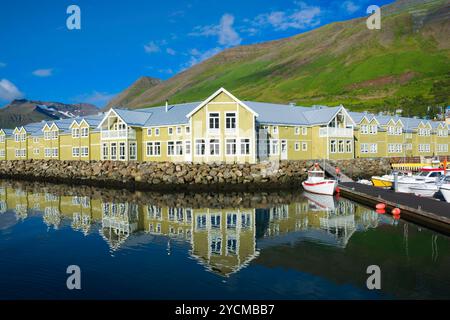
{"points": [[84, 152], [274, 147], [75, 152], [231, 147], [84, 132], [216, 123], [244, 144], [214, 147], [229, 116], [200, 146]]}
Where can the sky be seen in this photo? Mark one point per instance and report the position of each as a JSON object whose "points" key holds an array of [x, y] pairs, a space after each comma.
{"points": [[120, 41]]}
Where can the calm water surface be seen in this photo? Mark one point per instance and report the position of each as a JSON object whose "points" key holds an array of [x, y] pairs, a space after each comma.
{"points": [[199, 246]]}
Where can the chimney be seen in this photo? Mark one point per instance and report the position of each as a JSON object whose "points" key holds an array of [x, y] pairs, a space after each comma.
{"points": [[167, 105]]}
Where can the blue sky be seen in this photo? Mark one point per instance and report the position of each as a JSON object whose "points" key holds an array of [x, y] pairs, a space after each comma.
{"points": [[120, 41]]}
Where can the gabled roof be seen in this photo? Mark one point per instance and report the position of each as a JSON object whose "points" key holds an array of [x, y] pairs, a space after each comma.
{"points": [[215, 94]]}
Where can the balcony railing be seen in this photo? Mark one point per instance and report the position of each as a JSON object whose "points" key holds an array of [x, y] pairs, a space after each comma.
{"points": [[118, 134], [336, 132]]}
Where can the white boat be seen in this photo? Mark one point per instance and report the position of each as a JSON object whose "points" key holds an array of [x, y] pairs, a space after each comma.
{"points": [[445, 188], [425, 189], [427, 175], [316, 182]]}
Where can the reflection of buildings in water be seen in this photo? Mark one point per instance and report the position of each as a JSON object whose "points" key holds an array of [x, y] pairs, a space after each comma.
{"points": [[3, 205], [320, 218], [119, 220], [224, 240]]}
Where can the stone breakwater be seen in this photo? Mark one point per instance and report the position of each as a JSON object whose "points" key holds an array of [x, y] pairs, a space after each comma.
{"points": [[166, 176]]}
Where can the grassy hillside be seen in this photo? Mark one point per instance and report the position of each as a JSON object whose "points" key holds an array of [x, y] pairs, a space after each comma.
{"points": [[405, 64], [133, 91]]}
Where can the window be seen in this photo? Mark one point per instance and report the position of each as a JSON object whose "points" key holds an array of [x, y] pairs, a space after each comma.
{"points": [[391, 130], [398, 148], [231, 146], [54, 135], [46, 136], [113, 151], [36, 151], [75, 133], [2, 153], [348, 146], [84, 132], [133, 151], [35, 140], [187, 147], [16, 137], [170, 131], [75, 152], [47, 152], [214, 121], [105, 151], [364, 129], [304, 146], [84, 151], [214, 147], [187, 130], [391, 148], [216, 245], [340, 146], [364, 148], [200, 147], [170, 148], [178, 130], [153, 149], [297, 146], [297, 131], [122, 151], [157, 149], [55, 153], [201, 222], [245, 146], [179, 148], [333, 146], [304, 131], [150, 149], [373, 129], [274, 147], [149, 132], [373, 148], [157, 132], [23, 137], [230, 120], [2, 138], [398, 130], [275, 130]]}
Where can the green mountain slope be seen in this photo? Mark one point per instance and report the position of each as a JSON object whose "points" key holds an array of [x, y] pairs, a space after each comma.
{"points": [[405, 64], [132, 92]]}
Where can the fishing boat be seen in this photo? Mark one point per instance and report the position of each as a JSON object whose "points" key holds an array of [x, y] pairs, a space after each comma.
{"points": [[316, 182], [385, 181]]}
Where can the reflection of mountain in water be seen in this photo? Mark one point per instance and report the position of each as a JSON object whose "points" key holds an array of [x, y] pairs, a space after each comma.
{"points": [[224, 240]]}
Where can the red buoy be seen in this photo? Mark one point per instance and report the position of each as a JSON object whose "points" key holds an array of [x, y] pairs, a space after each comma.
{"points": [[396, 211], [338, 190], [380, 206], [396, 217], [380, 211]]}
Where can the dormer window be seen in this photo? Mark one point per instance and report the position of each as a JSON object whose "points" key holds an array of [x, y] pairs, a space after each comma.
{"points": [[84, 132], [75, 133]]}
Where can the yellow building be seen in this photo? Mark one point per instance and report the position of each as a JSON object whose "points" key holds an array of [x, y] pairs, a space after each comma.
{"points": [[224, 129]]}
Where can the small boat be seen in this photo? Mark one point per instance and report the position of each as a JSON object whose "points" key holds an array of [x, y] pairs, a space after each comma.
{"points": [[425, 189], [316, 182], [387, 180], [445, 188], [427, 175]]}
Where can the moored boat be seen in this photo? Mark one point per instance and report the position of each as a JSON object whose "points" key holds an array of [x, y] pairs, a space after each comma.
{"points": [[445, 188], [316, 182]]}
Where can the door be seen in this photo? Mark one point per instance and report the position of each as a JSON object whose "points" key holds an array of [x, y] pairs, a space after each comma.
{"points": [[284, 152]]}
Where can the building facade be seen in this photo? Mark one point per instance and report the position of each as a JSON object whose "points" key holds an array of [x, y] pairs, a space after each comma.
{"points": [[224, 129]]}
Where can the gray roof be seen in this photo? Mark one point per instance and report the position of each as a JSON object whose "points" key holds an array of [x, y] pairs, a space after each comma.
{"points": [[133, 117], [176, 114]]}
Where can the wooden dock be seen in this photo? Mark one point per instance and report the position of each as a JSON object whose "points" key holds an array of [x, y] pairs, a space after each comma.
{"points": [[431, 213]]}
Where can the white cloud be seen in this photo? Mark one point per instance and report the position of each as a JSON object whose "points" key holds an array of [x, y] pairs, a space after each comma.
{"points": [[8, 91], [43, 72], [166, 71], [151, 47], [97, 98], [171, 51], [197, 56], [227, 35], [302, 17], [2, 64], [350, 7]]}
